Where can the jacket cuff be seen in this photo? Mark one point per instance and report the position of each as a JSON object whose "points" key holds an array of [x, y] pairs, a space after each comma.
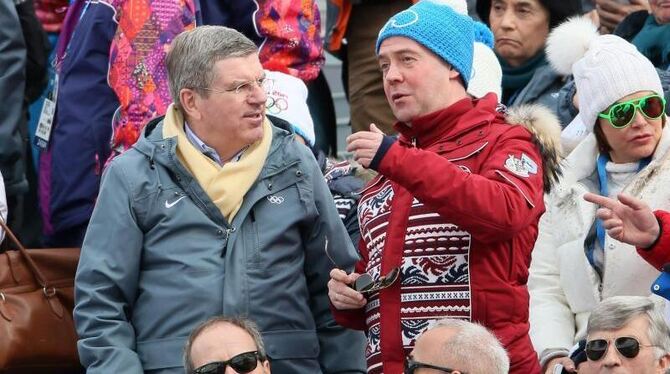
{"points": [[353, 319], [387, 142], [550, 354], [658, 253]]}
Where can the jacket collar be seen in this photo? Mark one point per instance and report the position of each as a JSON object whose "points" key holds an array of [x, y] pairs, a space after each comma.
{"points": [[450, 122], [163, 150]]}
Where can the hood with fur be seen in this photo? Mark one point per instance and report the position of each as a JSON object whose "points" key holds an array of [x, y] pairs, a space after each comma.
{"points": [[546, 130]]}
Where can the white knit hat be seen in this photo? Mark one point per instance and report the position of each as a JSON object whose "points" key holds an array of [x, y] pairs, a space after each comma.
{"points": [[486, 71], [605, 67], [287, 99]]}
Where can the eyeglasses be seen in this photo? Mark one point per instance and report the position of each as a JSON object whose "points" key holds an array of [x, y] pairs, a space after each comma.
{"points": [[621, 114], [627, 346], [364, 283], [411, 365], [242, 363], [247, 88]]}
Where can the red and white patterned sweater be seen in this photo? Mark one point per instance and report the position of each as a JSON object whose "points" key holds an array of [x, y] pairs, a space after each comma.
{"points": [[456, 206]]}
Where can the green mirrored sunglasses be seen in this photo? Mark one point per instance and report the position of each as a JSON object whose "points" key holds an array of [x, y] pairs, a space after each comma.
{"points": [[621, 114]]}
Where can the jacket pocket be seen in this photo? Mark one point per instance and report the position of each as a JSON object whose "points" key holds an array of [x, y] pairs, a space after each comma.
{"points": [[161, 353], [291, 344]]}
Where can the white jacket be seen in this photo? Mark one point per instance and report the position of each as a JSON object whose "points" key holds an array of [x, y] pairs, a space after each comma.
{"points": [[563, 286]]}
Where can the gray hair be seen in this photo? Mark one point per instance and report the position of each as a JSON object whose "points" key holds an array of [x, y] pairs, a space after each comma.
{"points": [[475, 349], [245, 324], [615, 312], [190, 61]]}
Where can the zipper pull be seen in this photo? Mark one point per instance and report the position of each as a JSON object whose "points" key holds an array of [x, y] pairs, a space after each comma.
{"points": [[414, 142]]}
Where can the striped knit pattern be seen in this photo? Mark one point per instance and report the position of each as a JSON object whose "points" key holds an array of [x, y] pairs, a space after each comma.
{"points": [[434, 278]]}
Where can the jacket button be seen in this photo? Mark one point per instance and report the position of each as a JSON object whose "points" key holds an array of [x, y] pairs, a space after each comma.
{"points": [[298, 173], [481, 132], [269, 186], [611, 245], [219, 232], [459, 142]]}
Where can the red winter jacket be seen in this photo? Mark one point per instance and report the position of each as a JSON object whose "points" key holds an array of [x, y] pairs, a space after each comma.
{"points": [[658, 254], [456, 206]]}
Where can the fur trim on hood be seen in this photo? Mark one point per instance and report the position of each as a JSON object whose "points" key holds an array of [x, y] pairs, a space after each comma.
{"points": [[546, 130]]}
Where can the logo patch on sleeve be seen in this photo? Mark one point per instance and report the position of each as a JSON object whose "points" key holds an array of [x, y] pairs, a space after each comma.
{"points": [[522, 167]]}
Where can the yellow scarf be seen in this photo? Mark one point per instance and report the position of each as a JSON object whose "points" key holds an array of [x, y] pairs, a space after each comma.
{"points": [[226, 185]]}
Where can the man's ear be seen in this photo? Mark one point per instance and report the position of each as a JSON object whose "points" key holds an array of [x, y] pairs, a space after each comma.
{"points": [[266, 366], [190, 102], [664, 363]]}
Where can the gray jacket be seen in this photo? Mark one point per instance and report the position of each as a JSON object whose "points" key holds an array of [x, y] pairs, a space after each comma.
{"points": [[159, 258], [12, 87], [543, 88]]}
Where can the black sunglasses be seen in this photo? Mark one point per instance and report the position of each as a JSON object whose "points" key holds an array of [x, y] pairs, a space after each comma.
{"points": [[627, 346], [242, 364], [364, 283], [411, 365]]}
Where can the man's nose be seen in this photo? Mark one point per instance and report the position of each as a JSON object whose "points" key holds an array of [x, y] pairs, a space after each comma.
{"points": [[612, 357], [258, 96]]}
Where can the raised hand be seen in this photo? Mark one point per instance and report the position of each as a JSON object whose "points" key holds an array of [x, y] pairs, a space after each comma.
{"points": [[627, 220], [364, 144]]}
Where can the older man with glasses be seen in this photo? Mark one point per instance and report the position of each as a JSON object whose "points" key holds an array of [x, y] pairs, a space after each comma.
{"points": [[223, 342], [457, 347], [214, 211], [627, 334]]}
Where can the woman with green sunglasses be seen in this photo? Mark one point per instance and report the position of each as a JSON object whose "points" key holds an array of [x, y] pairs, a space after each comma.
{"points": [[576, 264]]}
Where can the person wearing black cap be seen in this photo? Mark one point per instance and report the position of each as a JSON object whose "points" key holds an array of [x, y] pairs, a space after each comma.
{"points": [[521, 28]]}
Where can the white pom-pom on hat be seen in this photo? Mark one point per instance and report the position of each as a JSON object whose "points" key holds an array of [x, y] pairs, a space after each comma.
{"points": [[568, 43]]}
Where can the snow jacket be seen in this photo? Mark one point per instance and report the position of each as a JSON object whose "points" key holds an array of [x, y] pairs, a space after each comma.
{"points": [[159, 258], [564, 286], [456, 207], [658, 255]]}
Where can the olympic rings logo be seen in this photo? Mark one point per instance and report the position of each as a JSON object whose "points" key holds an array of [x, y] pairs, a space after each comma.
{"points": [[274, 199], [276, 105], [403, 19]]}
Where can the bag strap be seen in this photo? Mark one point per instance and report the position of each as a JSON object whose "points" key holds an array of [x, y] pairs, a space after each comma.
{"points": [[31, 264]]}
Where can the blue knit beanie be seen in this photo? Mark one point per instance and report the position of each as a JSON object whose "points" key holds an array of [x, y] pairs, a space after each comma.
{"points": [[437, 27]]}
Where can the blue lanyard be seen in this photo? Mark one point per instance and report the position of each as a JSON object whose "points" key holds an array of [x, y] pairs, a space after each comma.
{"points": [[603, 159]]}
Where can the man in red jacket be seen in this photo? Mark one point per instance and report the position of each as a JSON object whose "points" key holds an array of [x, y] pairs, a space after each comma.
{"points": [[448, 226]]}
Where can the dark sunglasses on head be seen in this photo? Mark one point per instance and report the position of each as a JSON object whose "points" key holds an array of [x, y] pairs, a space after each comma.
{"points": [[621, 114], [627, 346], [411, 365], [242, 364]]}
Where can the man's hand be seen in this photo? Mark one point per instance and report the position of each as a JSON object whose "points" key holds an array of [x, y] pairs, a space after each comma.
{"points": [[612, 12], [341, 295], [628, 220], [364, 145], [567, 363]]}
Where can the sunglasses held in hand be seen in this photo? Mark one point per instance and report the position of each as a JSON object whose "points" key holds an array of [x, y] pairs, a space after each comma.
{"points": [[365, 284], [627, 346], [243, 363], [620, 115]]}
